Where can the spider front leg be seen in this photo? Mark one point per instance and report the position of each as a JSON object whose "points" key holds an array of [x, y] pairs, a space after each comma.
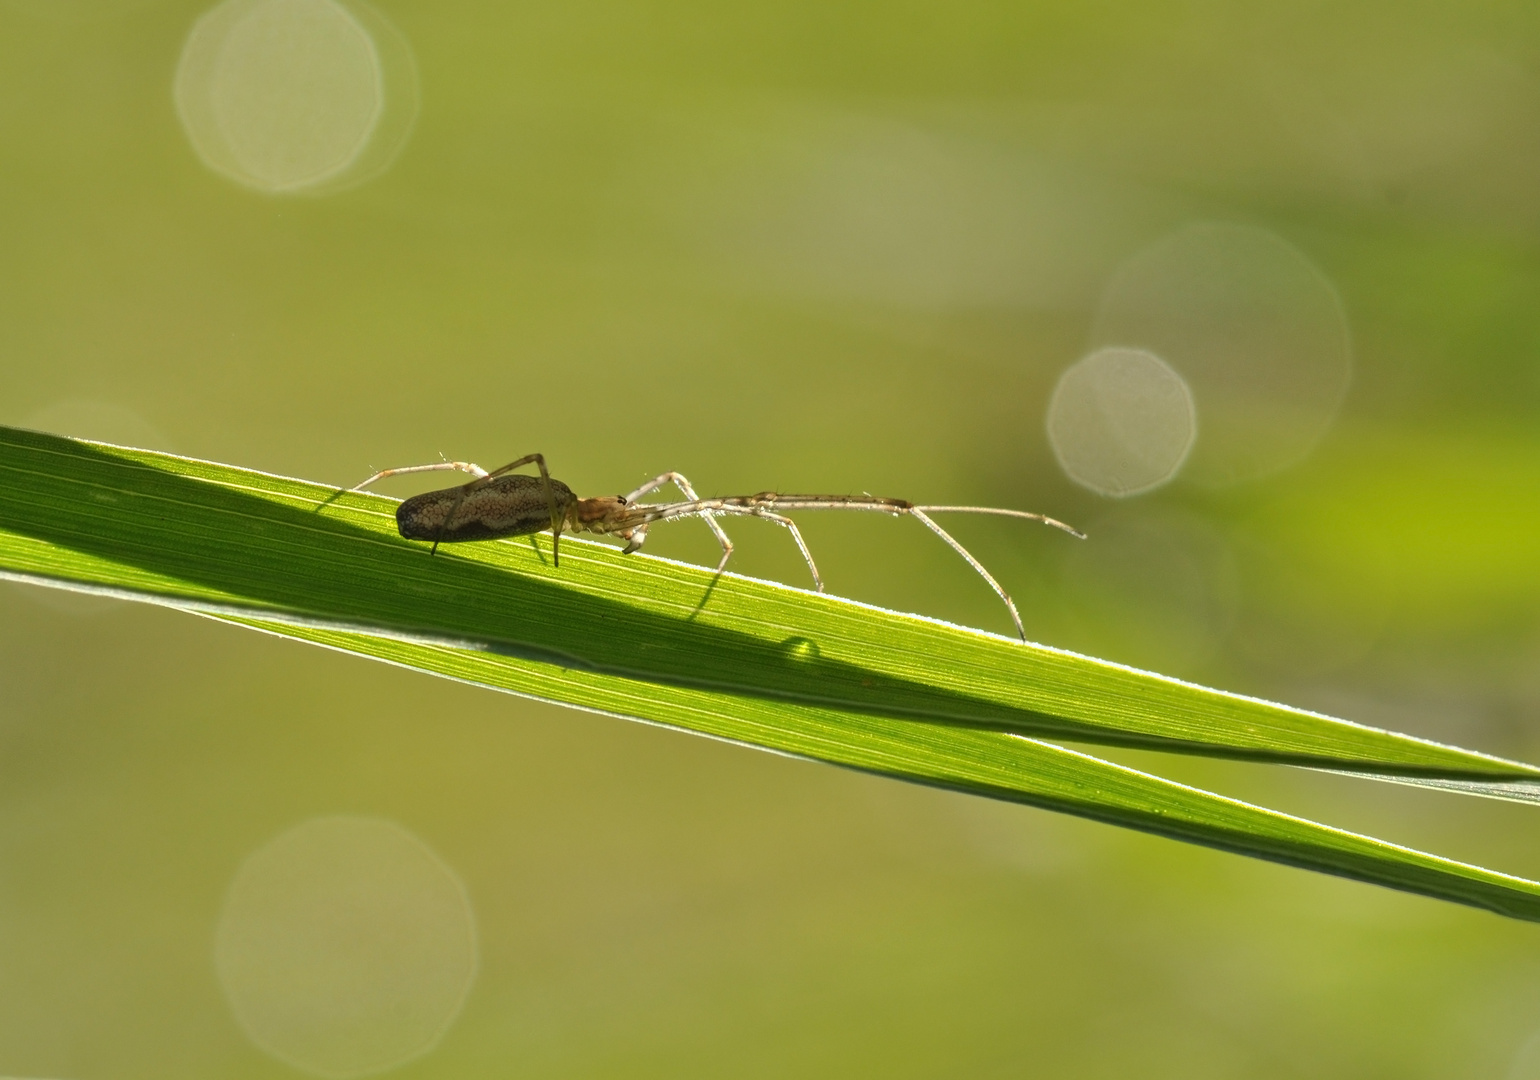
{"points": [[678, 480]]}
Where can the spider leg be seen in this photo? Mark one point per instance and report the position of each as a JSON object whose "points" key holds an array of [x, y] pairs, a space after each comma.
{"points": [[796, 534], [550, 498], [679, 481], [985, 574], [438, 466]]}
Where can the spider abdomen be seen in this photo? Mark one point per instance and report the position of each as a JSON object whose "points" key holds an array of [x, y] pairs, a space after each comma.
{"points": [[511, 505]]}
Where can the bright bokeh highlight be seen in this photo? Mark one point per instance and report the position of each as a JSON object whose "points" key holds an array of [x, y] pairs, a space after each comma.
{"points": [[291, 95], [346, 946], [1121, 422]]}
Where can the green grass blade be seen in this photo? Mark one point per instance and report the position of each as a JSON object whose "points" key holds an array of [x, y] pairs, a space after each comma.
{"points": [[987, 763], [198, 534], [736, 659]]}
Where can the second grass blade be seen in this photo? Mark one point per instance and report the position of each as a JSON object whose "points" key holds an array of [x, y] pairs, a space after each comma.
{"points": [[980, 762]]}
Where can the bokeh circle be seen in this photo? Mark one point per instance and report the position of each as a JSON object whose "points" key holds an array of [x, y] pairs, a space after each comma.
{"points": [[1121, 422], [1254, 328], [289, 96], [346, 946]]}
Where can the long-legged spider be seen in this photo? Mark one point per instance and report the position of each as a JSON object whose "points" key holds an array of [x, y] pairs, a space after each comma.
{"points": [[504, 503]]}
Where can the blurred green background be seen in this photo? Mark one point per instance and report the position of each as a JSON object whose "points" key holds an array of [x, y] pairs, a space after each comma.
{"points": [[808, 247]]}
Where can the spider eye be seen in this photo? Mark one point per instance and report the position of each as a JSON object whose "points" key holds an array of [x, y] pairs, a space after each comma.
{"points": [[621, 499]]}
